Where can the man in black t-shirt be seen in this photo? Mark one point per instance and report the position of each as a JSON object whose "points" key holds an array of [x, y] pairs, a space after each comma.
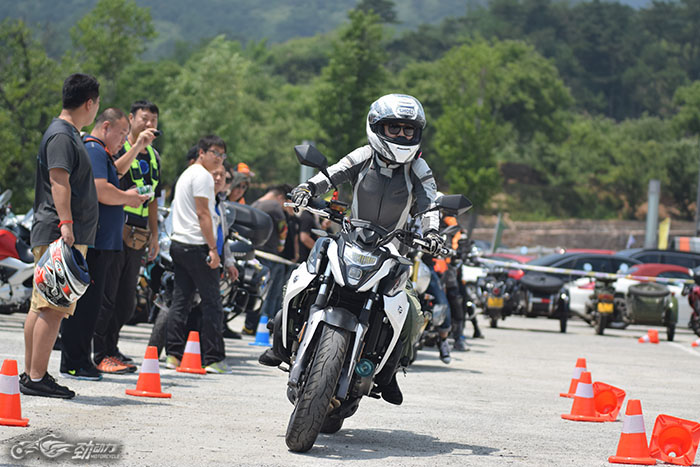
{"points": [[65, 206]]}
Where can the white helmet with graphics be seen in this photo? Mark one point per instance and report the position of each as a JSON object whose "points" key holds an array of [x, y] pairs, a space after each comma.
{"points": [[61, 275], [395, 125]]}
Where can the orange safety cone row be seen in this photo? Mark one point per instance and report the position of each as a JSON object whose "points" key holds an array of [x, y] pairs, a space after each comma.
{"points": [[608, 400], [148, 384], [696, 342], [10, 408], [192, 359], [578, 369], [583, 408], [674, 440], [632, 447], [652, 336]]}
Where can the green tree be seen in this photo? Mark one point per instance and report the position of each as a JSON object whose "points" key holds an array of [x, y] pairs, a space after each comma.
{"points": [[30, 95], [493, 95], [219, 90], [384, 8], [352, 80], [110, 37]]}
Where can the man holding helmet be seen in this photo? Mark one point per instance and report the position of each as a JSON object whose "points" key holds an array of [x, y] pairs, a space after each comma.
{"points": [[65, 208], [389, 177]]}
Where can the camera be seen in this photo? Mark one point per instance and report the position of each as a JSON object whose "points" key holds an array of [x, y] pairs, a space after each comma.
{"points": [[157, 132]]}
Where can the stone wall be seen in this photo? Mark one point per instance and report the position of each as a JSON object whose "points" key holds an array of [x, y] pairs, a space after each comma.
{"points": [[574, 233]]}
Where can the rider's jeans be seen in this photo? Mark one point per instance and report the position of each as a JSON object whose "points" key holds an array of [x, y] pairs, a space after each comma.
{"points": [[435, 289]]}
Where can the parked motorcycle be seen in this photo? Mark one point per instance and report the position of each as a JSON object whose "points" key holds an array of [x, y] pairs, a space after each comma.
{"points": [[498, 295], [248, 228], [342, 315], [16, 259], [693, 293], [544, 295]]}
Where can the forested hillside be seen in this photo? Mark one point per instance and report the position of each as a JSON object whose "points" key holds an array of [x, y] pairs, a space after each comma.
{"points": [[543, 108]]}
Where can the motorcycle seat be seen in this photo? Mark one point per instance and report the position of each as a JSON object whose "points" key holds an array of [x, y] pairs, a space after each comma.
{"points": [[23, 251]]}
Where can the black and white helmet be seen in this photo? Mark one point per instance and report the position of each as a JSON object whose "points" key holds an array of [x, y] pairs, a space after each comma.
{"points": [[395, 109], [61, 275]]}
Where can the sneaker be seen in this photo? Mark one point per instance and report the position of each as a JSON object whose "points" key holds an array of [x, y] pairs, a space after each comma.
{"points": [[172, 362], [130, 368], [247, 332], [89, 373], [220, 368], [268, 358], [444, 348], [23, 378], [47, 387], [231, 334], [109, 365], [460, 345], [123, 358]]}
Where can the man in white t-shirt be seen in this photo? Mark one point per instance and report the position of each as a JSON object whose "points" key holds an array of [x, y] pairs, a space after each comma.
{"points": [[196, 259]]}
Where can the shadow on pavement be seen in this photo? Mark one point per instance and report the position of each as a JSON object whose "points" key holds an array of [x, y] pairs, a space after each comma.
{"points": [[358, 444]]}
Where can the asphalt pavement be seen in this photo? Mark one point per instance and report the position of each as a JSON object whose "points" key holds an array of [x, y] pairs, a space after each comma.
{"points": [[495, 405]]}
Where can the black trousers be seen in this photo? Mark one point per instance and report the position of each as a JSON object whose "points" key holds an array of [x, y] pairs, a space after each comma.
{"points": [[193, 274], [77, 331], [119, 301]]}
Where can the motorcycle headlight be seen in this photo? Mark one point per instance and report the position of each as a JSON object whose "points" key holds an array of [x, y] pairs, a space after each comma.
{"points": [[354, 256]]}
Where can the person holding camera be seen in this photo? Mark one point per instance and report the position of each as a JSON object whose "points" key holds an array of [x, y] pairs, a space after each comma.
{"points": [[196, 259], [140, 234]]}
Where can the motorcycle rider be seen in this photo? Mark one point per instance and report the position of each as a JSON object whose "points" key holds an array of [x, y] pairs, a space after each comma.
{"points": [[388, 177]]}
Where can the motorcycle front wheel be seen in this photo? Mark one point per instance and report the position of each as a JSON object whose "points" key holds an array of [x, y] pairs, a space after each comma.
{"points": [[314, 399]]}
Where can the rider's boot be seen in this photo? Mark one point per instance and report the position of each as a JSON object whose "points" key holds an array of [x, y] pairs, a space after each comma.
{"points": [[391, 392], [477, 332], [444, 348]]}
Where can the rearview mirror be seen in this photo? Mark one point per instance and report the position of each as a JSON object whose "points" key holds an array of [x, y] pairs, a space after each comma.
{"points": [[5, 197], [454, 204], [309, 156]]}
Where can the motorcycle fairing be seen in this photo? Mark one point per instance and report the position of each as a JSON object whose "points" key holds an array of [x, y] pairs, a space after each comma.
{"points": [[298, 281], [396, 310]]}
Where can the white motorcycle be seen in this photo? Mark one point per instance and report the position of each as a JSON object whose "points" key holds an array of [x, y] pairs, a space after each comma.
{"points": [[16, 259], [342, 315]]}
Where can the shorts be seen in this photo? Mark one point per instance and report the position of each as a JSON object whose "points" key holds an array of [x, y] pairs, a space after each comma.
{"points": [[39, 302]]}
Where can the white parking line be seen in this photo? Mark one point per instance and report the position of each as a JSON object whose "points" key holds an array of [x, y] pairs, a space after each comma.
{"points": [[683, 347]]}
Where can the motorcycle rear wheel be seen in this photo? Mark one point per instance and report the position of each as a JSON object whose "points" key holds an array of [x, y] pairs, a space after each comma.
{"points": [[601, 323], [314, 399]]}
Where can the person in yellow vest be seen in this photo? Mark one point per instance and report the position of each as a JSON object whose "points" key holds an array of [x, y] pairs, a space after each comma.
{"points": [[140, 236]]}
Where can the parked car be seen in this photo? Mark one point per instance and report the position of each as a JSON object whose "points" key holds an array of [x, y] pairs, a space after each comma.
{"points": [[681, 258], [598, 262]]}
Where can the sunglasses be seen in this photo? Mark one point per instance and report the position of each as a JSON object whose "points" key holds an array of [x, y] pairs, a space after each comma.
{"points": [[241, 186], [394, 129], [222, 155]]}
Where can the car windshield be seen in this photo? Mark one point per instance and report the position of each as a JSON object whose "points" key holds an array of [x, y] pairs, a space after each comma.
{"points": [[545, 260]]}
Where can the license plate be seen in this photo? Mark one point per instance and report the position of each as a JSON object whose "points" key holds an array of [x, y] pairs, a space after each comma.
{"points": [[604, 307], [494, 302]]}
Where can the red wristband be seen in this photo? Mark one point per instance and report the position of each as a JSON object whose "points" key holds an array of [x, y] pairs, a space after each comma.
{"points": [[60, 224]]}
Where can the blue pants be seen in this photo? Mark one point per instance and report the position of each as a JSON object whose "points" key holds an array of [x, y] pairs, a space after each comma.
{"points": [[435, 289]]}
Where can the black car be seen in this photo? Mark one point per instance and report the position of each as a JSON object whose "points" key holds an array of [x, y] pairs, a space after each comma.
{"points": [[598, 262], [686, 259]]}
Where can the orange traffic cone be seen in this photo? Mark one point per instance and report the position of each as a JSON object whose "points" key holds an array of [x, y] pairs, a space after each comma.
{"points": [[652, 336], [583, 408], [580, 368], [192, 360], [608, 400], [633, 448], [674, 440], [148, 384], [10, 408], [696, 342]]}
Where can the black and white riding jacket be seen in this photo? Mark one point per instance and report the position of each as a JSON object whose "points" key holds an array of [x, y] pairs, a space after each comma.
{"points": [[384, 193]]}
